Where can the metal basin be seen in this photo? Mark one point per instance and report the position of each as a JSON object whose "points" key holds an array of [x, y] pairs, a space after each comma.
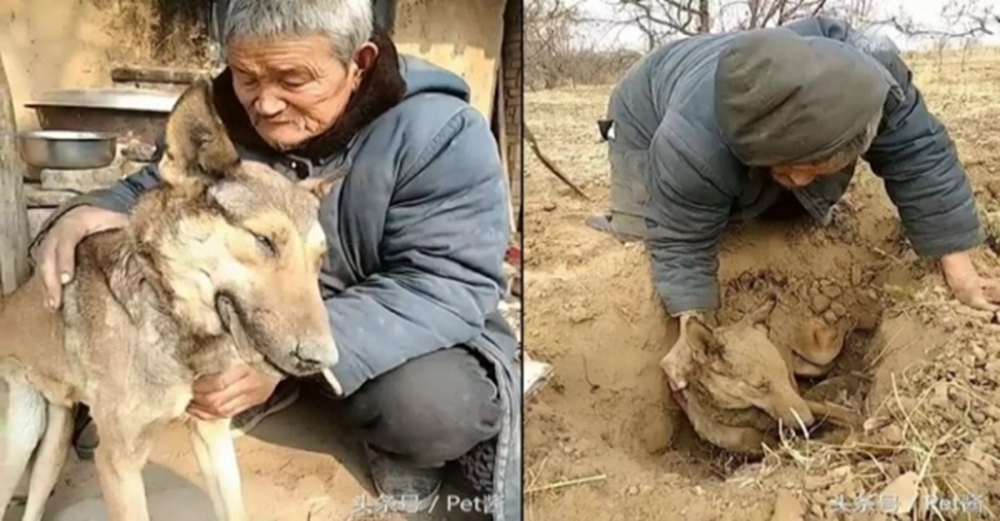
{"points": [[138, 100], [128, 113], [67, 149]]}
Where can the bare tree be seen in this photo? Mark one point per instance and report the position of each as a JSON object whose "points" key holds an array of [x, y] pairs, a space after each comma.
{"points": [[565, 44], [855, 12], [549, 27], [661, 20], [960, 19], [770, 13], [968, 46]]}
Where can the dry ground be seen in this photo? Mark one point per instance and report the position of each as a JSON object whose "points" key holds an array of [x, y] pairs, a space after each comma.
{"points": [[603, 442], [297, 466]]}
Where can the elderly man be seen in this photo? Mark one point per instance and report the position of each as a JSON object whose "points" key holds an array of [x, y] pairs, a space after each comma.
{"points": [[417, 228], [720, 128]]}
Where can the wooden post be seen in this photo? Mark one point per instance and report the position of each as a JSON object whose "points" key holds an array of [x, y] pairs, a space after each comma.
{"points": [[14, 239], [500, 116]]}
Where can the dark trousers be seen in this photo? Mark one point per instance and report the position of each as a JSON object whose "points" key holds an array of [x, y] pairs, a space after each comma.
{"points": [[430, 410], [786, 208]]}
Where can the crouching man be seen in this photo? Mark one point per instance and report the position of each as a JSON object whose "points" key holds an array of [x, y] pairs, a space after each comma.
{"points": [[721, 128], [417, 229]]}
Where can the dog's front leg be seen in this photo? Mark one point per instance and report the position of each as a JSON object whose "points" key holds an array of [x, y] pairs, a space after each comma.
{"points": [[208, 472], [119, 470], [49, 460], [213, 445]]}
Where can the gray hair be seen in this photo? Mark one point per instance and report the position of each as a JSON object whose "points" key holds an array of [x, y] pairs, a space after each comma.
{"points": [[347, 23], [857, 146]]}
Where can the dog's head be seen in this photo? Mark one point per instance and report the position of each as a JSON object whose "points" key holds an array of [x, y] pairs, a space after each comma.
{"points": [[738, 367], [233, 246]]}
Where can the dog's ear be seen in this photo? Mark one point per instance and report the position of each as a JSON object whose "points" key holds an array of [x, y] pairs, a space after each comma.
{"points": [[319, 186], [198, 150], [763, 312], [699, 337]]}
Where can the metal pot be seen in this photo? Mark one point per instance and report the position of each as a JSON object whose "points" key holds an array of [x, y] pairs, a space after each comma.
{"points": [[128, 113], [67, 149]]}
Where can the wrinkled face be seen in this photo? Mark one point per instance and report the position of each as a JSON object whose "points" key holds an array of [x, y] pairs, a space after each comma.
{"points": [[799, 176], [238, 236], [294, 88]]}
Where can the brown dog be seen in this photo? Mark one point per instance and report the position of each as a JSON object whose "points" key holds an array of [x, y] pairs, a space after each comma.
{"points": [[740, 383], [217, 266]]}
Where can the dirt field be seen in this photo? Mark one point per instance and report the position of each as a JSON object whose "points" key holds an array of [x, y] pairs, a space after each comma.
{"points": [[604, 442]]}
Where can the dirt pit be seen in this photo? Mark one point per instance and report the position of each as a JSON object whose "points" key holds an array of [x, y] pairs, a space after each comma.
{"points": [[603, 439]]}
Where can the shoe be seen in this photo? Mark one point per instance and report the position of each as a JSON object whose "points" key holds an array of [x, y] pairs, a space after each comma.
{"points": [[410, 488], [477, 467], [601, 223], [285, 394]]}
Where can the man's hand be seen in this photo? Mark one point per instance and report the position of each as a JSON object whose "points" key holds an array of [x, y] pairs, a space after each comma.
{"points": [[56, 253], [969, 288], [226, 394], [677, 364]]}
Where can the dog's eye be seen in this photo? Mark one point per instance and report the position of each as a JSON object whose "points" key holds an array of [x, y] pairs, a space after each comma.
{"points": [[265, 243]]}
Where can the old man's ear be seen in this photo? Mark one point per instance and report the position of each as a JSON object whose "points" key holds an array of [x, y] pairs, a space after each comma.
{"points": [[198, 150]]}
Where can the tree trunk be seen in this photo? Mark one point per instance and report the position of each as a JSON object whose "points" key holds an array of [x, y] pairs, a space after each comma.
{"points": [[705, 19], [14, 239]]}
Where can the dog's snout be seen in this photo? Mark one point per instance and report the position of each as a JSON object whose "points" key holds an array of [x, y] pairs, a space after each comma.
{"points": [[303, 357], [316, 356]]}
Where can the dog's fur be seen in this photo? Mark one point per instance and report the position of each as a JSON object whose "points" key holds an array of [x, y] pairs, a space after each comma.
{"points": [[217, 266], [741, 383]]}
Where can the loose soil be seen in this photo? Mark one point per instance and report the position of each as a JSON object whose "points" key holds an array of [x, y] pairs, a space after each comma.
{"points": [[604, 440]]}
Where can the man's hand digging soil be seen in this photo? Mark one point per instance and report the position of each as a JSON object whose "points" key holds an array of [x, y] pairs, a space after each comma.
{"points": [[677, 363], [968, 286]]}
